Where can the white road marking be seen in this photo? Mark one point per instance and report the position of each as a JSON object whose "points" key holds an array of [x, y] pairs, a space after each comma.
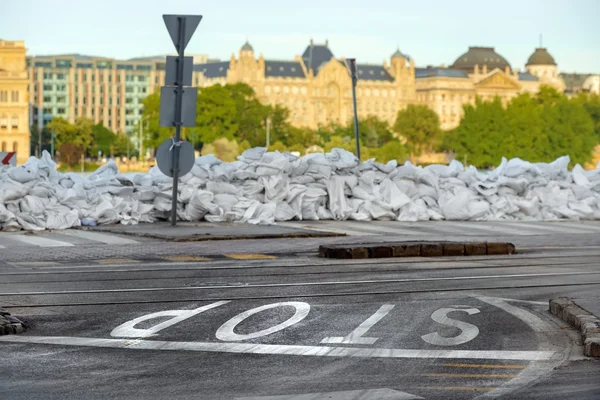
{"points": [[40, 241], [535, 369], [279, 349], [128, 329], [325, 283], [226, 333], [356, 336], [379, 394], [534, 322], [99, 237], [468, 331]]}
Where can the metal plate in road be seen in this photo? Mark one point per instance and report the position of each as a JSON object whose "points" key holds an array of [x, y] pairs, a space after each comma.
{"points": [[164, 158]]}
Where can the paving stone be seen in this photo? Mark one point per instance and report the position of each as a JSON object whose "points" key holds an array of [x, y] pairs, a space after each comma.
{"points": [[380, 251], [475, 249], [432, 250], [454, 249], [406, 250], [500, 248]]}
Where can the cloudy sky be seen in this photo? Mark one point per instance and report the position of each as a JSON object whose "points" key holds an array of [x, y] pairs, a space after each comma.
{"points": [[433, 32]]}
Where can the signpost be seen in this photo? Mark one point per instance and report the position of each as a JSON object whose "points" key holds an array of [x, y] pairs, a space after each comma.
{"points": [[178, 99], [354, 76]]}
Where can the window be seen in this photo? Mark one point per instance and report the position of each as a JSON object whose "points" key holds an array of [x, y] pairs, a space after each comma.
{"points": [[128, 100], [3, 146], [141, 79], [3, 121], [61, 110], [61, 99], [61, 88], [60, 76], [47, 99], [3, 96], [48, 87], [128, 78], [129, 89], [48, 111], [143, 90], [14, 96]]}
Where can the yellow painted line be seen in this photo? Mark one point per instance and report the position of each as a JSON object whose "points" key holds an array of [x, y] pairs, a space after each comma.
{"points": [[117, 261], [496, 376], [250, 256], [186, 258], [463, 388], [35, 264], [490, 366]]}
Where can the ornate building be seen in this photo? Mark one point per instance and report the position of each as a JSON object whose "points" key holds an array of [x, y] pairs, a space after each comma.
{"points": [[481, 72], [316, 86], [14, 115]]}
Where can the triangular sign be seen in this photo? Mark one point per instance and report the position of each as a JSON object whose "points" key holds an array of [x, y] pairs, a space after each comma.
{"points": [[172, 23]]}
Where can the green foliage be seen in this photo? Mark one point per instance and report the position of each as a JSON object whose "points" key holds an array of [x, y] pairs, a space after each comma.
{"points": [[225, 149], [538, 128], [420, 126]]}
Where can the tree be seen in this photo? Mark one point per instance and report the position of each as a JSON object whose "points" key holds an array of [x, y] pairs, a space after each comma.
{"points": [[420, 125], [392, 150], [70, 154], [80, 133], [223, 149], [538, 128], [104, 140]]}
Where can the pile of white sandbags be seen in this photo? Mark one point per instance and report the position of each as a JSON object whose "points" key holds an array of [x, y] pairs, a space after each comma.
{"points": [[265, 187]]}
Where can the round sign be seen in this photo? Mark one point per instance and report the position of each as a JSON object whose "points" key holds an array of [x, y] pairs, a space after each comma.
{"points": [[164, 157]]}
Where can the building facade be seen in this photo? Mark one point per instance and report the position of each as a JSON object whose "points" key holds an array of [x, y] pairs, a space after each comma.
{"points": [[14, 100], [316, 86], [105, 90]]}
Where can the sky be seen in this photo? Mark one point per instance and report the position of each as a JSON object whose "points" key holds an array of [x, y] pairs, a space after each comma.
{"points": [[433, 32]]}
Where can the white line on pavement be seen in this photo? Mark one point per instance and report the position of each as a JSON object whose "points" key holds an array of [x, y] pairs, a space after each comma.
{"points": [[279, 349], [40, 241], [98, 237]]}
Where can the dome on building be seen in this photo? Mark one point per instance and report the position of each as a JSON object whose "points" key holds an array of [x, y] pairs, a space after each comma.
{"points": [[480, 56], [247, 47], [541, 57], [399, 54]]}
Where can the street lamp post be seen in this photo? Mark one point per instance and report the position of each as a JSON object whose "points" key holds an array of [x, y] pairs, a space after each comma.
{"points": [[353, 75]]}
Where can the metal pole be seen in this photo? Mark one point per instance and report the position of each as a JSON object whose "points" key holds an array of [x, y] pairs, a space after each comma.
{"points": [[354, 80], [178, 122], [268, 137], [141, 140], [52, 143], [40, 142]]}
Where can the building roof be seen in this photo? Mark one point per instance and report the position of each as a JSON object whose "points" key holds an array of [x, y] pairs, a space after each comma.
{"points": [[213, 70], [480, 56], [541, 57], [368, 72], [76, 56], [247, 47], [315, 55], [149, 58], [399, 54], [526, 76], [284, 69], [438, 71], [573, 80]]}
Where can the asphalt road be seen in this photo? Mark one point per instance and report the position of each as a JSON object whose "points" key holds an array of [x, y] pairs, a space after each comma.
{"points": [[300, 327]]}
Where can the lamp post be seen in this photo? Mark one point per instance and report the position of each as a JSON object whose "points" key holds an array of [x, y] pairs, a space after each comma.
{"points": [[353, 75]]}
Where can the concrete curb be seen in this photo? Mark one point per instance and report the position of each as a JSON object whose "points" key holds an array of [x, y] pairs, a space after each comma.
{"points": [[587, 323], [10, 324], [415, 249]]}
